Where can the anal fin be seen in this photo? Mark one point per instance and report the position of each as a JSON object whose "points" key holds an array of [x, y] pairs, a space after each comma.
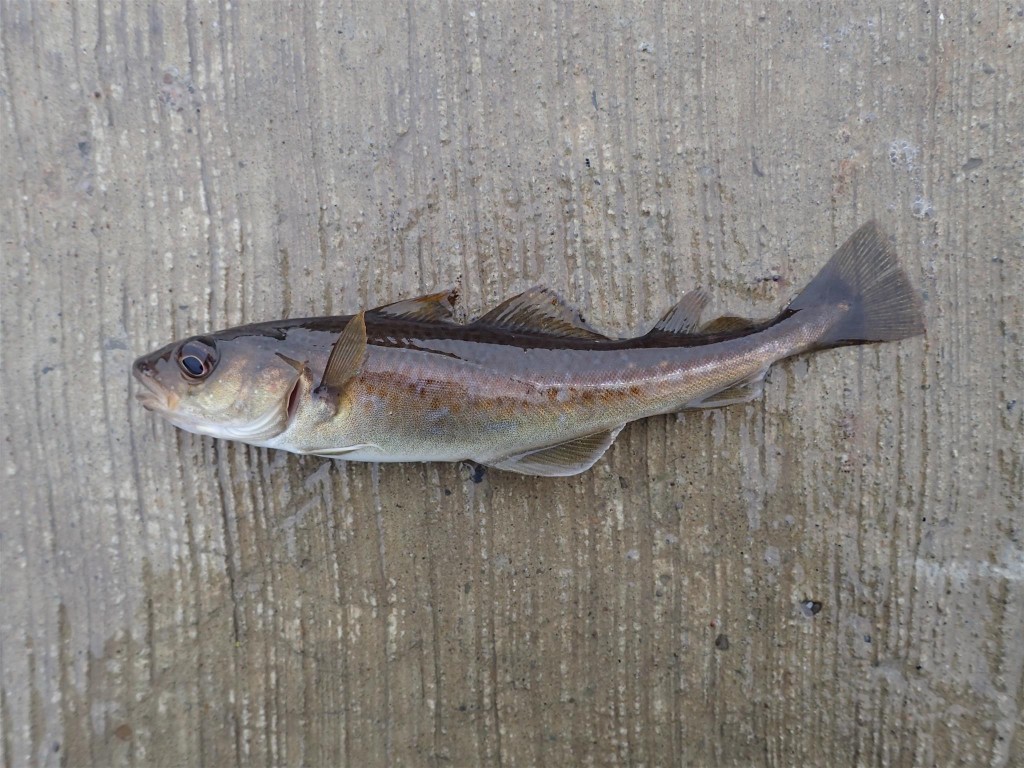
{"points": [[742, 391], [562, 459]]}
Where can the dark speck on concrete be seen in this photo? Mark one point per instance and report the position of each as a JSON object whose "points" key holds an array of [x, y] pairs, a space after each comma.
{"points": [[722, 642], [810, 608], [972, 163], [479, 470]]}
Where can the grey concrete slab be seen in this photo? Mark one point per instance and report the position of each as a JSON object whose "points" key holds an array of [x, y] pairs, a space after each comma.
{"points": [[829, 576]]}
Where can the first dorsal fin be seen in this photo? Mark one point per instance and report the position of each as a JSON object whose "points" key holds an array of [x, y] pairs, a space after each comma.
{"points": [[684, 317], [433, 307], [539, 310], [346, 358]]}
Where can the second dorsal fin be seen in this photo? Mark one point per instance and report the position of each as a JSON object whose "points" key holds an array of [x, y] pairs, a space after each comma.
{"points": [[433, 307], [684, 317], [539, 310]]}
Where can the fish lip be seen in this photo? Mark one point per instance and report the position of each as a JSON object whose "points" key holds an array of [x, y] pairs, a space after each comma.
{"points": [[152, 400], [148, 400]]}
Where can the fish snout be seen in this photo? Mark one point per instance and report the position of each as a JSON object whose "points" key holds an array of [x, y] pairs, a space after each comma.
{"points": [[141, 367], [151, 394]]}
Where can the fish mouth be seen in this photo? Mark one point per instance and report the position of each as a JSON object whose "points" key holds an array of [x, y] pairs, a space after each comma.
{"points": [[151, 395], [152, 400]]}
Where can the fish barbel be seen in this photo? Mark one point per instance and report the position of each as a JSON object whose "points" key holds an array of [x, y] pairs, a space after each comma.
{"points": [[529, 387]]}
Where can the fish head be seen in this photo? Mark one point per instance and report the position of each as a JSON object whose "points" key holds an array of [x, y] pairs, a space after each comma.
{"points": [[233, 387]]}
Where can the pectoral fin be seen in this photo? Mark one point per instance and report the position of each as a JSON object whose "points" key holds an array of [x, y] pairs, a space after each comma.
{"points": [[338, 453], [346, 359], [569, 458]]}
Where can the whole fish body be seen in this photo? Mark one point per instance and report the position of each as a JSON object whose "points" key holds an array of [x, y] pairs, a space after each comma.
{"points": [[529, 387]]}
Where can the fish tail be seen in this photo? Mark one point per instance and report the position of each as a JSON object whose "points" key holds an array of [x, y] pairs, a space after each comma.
{"points": [[864, 275]]}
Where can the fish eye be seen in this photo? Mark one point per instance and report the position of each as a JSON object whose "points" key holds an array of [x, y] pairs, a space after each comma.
{"points": [[197, 358]]}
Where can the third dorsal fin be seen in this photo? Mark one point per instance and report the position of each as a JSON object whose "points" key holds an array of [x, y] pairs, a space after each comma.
{"points": [[728, 323], [684, 317], [433, 307], [539, 310]]}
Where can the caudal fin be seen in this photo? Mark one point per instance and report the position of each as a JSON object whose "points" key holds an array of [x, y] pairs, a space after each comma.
{"points": [[864, 274]]}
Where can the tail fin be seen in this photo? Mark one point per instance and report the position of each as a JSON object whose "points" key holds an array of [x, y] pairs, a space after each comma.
{"points": [[865, 275]]}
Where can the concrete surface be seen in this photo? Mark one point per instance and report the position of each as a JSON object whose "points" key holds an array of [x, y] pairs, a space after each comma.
{"points": [[832, 576]]}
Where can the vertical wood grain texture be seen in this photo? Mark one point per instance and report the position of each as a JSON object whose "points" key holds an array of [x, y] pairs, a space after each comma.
{"points": [[831, 575]]}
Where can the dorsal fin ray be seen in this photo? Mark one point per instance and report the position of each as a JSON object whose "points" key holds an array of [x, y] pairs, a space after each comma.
{"points": [[684, 317], [432, 307], [539, 310]]}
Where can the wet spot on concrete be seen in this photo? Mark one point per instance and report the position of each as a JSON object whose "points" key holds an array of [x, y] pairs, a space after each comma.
{"points": [[176, 93]]}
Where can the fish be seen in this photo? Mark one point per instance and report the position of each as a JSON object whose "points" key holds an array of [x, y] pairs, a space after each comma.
{"points": [[529, 387]]}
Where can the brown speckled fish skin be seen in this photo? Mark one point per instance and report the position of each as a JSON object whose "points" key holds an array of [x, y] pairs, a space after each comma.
{"points": [[511, 390]]}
